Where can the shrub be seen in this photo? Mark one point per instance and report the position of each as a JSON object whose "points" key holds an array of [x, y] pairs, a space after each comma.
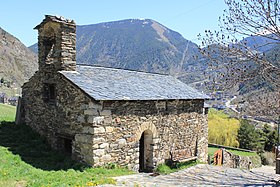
{"points": [[268, 158]]}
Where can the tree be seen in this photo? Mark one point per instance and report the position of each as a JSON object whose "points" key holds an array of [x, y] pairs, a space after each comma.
{"points": [[222, 129], [260, 140], [248, 137], [244, 62], [270, 136]]}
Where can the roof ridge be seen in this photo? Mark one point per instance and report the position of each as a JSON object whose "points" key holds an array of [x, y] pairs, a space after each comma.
{"points": [[100, 66]]}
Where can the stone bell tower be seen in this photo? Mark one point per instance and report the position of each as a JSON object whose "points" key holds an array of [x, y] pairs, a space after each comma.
{"points": [[57, 44]]}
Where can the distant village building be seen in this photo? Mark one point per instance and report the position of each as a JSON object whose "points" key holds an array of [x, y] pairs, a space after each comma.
{"points": [[103, 115], [3, 98], [13, 101]]}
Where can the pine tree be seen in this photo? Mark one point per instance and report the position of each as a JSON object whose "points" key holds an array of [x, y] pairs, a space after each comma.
{"points": [[270, 136], [248, 137]]}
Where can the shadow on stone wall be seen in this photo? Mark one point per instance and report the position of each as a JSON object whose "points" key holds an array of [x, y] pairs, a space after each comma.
{"points": [[32, 149]]}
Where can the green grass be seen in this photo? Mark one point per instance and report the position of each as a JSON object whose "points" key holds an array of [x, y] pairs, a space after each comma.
{"points": [[242, 153], [26, 160], [212, 150], [7, 112], [170, 168]]}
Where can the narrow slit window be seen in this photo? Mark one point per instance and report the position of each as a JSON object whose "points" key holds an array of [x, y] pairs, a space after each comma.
{"points": [[49, 93]]}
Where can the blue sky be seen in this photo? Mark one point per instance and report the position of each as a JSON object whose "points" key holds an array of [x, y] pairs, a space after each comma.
{"points": [[188, 17]]}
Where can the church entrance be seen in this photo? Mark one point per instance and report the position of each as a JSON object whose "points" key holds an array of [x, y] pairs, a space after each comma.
{"points": [[146, 152]]}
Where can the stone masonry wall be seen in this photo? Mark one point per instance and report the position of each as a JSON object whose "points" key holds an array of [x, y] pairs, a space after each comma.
{"points": [[178, 128], [57, 44], [62, 119], [237, 161], [109, 131]]}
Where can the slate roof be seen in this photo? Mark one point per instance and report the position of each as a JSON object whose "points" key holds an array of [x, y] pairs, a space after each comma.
{"points": [[58, 19], [103, 83]]}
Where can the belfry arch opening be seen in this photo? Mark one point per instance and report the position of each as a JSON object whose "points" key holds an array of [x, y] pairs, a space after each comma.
{"points": [[49, 40], [146, 152]]}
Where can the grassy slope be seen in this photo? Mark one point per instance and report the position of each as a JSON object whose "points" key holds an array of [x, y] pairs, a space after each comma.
{"points": [[7, 112], [26, 160]]}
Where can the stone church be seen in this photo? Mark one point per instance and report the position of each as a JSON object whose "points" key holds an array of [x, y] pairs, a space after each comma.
{"points": [[102, 115]]}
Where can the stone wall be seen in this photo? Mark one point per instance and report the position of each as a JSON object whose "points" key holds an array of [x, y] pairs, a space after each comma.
{"points": [[109, 131], [237, 161], [176, 127], [56, 120]]}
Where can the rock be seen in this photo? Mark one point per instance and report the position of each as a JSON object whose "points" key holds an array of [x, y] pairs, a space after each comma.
{"points": [[96, 159], [81, 119], [83, 138], [98, 120], [105, 112], [109, 129], [88, 130], [98, 130], [112, 145], [103, 145], [99, 152], [121, 143], [91, 112], [92, 105], [98, 140], [106, 158]]}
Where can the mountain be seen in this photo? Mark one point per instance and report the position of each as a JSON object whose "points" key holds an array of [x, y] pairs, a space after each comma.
{"points": [[149, 46], [135, 44], [138, 44], [261, 43], [144, 44], [17, 62]]}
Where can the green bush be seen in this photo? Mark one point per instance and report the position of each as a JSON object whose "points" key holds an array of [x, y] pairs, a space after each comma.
{"points": [[268, 158]]}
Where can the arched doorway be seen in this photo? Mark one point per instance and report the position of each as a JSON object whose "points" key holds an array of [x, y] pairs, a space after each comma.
{"points": [[146, 152]]}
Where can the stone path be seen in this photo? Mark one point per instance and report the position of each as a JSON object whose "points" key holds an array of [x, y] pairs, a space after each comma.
{"points": [[202, 175]]}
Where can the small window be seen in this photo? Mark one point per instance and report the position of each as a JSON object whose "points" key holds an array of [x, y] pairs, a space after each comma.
{"points": [[64, 144], [49, 93]]}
